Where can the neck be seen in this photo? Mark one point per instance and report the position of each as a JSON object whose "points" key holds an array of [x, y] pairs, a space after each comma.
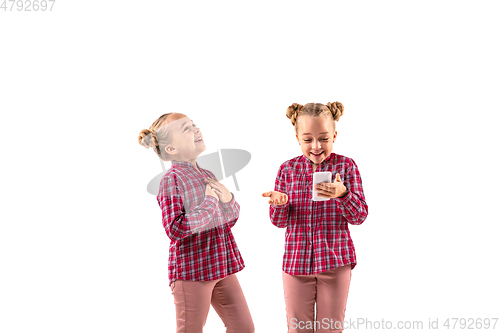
{"points": [[193, 162], [189, 160]]}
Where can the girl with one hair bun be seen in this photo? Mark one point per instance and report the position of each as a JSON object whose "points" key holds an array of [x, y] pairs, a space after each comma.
{"points": [[198, 213], [149, 139], [319, 252]]}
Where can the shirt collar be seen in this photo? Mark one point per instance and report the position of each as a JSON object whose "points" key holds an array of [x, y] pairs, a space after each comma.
{"points": [[184, 164]]}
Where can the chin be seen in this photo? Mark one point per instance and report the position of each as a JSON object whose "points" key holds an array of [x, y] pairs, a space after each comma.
{"points": [[199, 151]]}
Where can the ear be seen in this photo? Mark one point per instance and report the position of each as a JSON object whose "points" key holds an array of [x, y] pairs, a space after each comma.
{"points": [[334, 136], [171, 150], [297, 138]]}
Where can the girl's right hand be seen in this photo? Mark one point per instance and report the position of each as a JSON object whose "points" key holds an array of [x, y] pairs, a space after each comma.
{"points": [[276, 198], [210, 191]]}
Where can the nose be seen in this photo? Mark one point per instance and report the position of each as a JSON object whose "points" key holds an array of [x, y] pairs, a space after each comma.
{"points": [[316, 144]]}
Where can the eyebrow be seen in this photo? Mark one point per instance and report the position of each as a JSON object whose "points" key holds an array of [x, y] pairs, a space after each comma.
{"points": [[319, 133], [184, 123]]}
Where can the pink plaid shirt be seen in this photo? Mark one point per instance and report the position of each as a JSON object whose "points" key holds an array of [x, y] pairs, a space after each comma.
{"points": [[317, 236], [202, 246]]}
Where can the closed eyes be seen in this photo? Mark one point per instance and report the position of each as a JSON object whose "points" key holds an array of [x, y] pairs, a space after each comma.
{"points": [[187, 127], [309, 140]]}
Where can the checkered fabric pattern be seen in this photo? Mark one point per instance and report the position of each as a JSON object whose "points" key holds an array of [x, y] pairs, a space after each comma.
{"points": [[202, 246], [317, 236]]}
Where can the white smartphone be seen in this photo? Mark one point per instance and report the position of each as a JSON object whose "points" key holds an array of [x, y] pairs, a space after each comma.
{"points": [[321, 177]]}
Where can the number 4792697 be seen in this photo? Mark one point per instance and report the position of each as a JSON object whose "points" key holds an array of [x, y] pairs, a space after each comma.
{"points": [[27, 5]]}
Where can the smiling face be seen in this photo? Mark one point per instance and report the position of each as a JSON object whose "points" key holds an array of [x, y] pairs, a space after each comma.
{"points": [[187, 141], [316, 136]]}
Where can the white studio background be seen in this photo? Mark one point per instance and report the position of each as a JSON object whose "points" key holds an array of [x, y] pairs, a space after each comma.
{"points": [[82, 244]]}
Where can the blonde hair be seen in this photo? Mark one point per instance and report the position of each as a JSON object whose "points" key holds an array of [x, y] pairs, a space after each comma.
{"points": [[334, 110], [157, 137]]}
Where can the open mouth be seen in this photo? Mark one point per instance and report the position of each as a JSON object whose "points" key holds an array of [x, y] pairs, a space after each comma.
{"points": [[321, 152], [198, 140]]}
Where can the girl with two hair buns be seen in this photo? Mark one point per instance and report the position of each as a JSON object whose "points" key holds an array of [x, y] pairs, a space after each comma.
{"points": [[198, 213], [319, 252]]}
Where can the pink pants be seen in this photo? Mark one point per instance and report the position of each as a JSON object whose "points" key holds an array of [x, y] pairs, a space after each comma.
{"points": [[192, 301], [328, 290]]}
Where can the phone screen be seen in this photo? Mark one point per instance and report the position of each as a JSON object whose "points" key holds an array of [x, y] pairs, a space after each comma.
{"points": [[321, 177]]}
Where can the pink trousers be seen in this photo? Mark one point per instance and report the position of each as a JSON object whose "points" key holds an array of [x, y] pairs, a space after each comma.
{"points": [[328, 290], [192, 301]]}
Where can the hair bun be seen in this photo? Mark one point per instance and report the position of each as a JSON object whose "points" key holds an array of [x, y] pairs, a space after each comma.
{"points": [[337, 109], [147, 138], [293, 111]]}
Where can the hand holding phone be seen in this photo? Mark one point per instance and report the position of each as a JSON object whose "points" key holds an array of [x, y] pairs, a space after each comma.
{"points": [[320, 177]]}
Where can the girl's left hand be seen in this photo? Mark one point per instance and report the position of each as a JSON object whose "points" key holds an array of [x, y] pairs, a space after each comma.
{"points": [[331, 190], [223, 193]]}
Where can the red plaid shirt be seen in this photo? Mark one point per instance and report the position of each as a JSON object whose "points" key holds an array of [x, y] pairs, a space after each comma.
{"points": [[202, 246], [317, 236]]}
